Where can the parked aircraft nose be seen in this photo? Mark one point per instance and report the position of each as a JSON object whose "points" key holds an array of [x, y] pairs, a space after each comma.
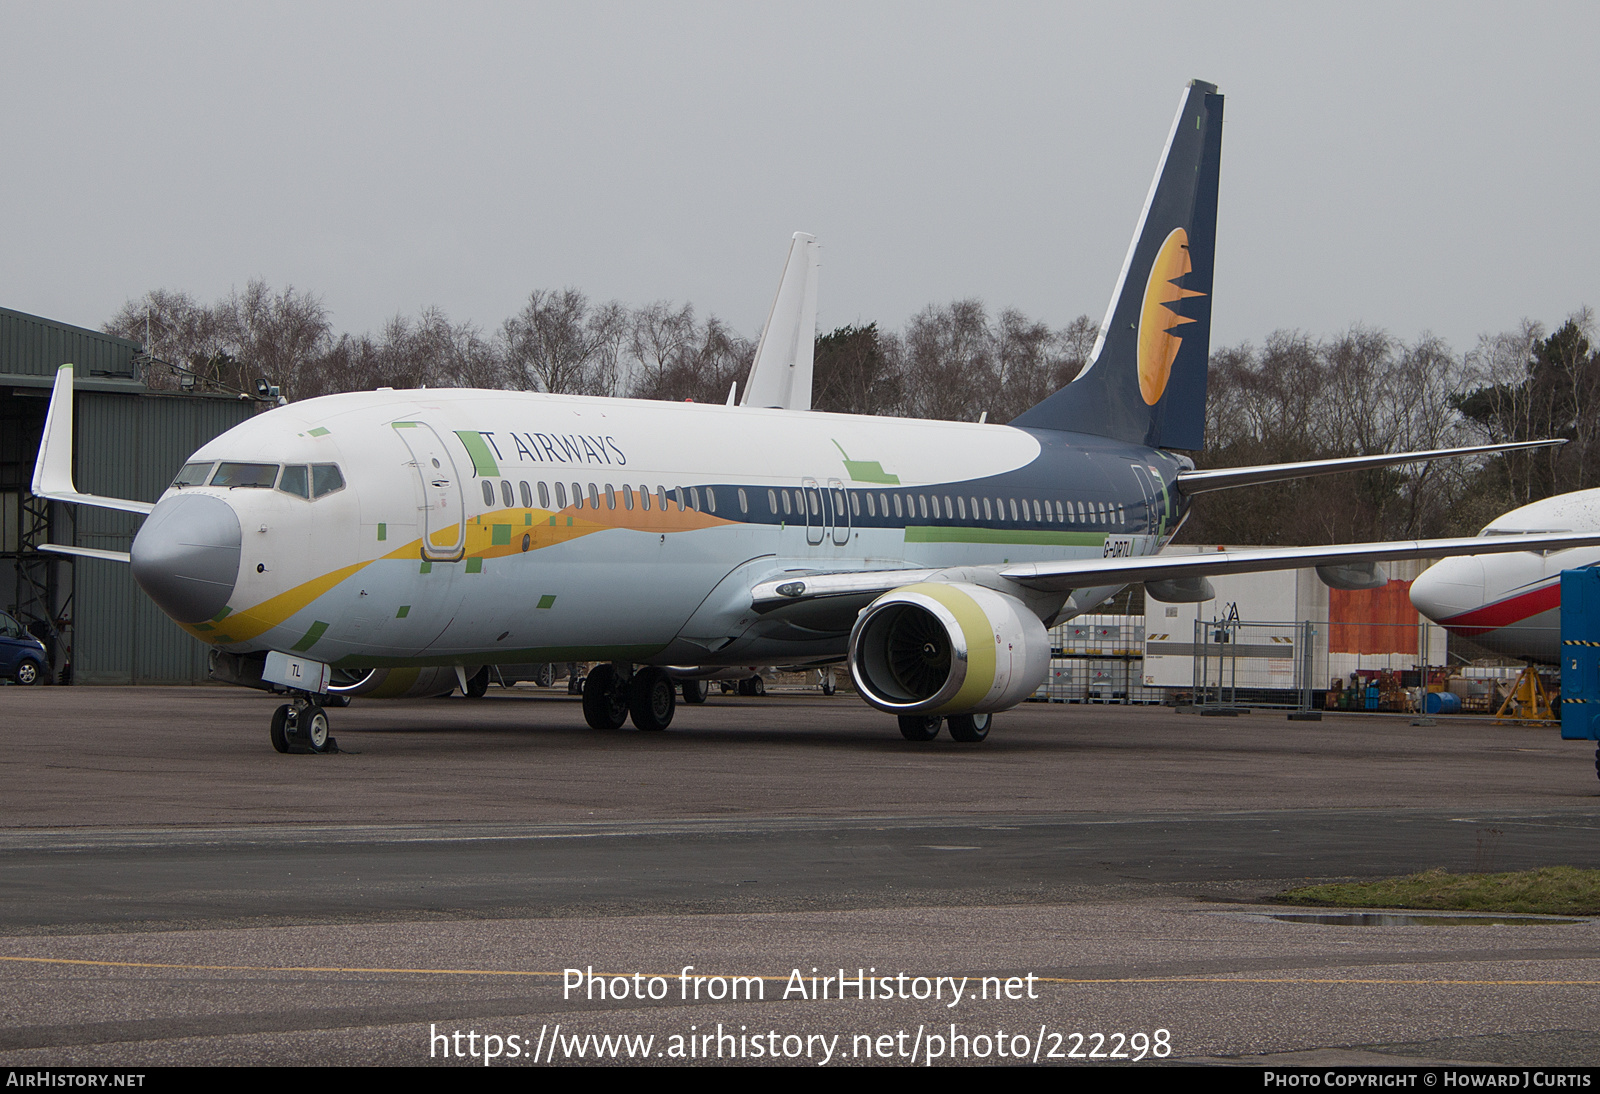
{"points": [[1448, 588], [186, 557]]}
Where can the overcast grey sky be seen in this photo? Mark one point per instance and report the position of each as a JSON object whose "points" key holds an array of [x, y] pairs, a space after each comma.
{"points": [[1412, 167]]}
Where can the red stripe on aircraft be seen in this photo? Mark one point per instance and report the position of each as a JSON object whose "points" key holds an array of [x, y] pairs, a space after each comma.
{"points": [[1506, 612]]}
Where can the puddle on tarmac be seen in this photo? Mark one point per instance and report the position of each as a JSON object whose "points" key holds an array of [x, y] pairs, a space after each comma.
{"points": [[1416, 919]]}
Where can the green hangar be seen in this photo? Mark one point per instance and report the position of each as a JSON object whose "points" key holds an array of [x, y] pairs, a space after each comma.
{"points": [[130, 439]]}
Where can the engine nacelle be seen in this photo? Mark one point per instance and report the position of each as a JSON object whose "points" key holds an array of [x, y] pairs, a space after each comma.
{"points": [[947, 648]]}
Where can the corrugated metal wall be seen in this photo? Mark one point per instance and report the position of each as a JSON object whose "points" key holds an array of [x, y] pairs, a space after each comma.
{"points": [[131, 446], [31, 346]]}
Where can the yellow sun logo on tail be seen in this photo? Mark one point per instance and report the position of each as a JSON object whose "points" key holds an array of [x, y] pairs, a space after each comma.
{"points": [[1159, 320]]}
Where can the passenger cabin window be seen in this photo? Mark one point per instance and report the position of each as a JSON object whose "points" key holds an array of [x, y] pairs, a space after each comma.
{"points": [[644, 498], [505, 493], [259, 475], [544, 496], [488, 492], [561, 496], [296, 480], [193, 474], [527, 495]]}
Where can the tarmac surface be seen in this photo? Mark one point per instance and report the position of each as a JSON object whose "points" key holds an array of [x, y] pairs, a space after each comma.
{"points": [[1092, 879]]}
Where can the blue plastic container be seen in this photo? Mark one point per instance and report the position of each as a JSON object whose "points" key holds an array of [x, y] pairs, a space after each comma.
{"points": [[1441, 702]]}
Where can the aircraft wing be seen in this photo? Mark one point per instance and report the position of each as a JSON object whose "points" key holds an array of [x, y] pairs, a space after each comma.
{"points": [[87, 552], [1067, 575], [1226, 478], [52, 472]]}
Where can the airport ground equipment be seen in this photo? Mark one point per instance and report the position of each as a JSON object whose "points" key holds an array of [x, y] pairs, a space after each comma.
{"points": [[1580, 658]]}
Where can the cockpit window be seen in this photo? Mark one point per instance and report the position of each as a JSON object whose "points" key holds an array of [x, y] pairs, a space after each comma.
{"points": [[295, 481], [193, 474], [246, 474], [325, 479]]}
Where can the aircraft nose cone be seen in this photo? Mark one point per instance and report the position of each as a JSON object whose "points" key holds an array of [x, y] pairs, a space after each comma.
{"points": [[1449, 588], [186, 556]]}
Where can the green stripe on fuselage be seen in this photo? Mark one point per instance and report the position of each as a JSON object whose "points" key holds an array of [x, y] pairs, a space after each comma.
{"points": [[482, 458]]}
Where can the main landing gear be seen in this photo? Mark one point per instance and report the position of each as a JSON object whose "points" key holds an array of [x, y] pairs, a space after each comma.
{"points": [[302, 726], [612, 694], [967, 728]]}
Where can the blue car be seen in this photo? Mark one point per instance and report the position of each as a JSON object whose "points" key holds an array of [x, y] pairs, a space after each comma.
{"points": [[22, 656]]}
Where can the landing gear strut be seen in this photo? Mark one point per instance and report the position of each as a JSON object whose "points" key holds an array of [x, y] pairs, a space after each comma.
{"points": [[612, 693], [301, 726]]}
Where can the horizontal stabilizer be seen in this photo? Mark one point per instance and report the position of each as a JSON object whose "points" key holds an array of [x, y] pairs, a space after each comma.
{"points": [[52, 471], [1226, 478]]}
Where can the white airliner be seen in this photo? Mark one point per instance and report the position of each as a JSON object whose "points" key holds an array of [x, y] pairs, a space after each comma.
{"points": [[388, 543], [1511, 603]]}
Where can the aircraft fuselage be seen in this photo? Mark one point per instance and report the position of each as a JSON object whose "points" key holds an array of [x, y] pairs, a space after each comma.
{"points": [[462, 527]]}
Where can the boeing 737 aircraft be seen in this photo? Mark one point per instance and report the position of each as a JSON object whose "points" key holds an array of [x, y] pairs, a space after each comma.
{"points": [[1511, 603], [388, 543]]}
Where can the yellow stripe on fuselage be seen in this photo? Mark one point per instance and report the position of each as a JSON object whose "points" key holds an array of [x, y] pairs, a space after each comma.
{"points": [[547, 529]]}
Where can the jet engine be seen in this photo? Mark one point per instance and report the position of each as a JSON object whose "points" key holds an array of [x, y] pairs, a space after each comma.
{"points": [[947, 648]]}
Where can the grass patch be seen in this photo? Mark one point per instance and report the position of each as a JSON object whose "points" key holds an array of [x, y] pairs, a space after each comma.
{"points": [[1553, 890]]}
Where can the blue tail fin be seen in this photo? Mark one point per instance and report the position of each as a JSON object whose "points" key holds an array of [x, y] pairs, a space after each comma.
{"points": [[1146, 380]]}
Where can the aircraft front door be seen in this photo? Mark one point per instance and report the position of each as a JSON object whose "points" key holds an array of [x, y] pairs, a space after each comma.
{"points": [[444, 516]]}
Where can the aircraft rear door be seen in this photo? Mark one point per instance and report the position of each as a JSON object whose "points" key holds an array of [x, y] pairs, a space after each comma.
{"points": [[1152, 499], [444, 515]]}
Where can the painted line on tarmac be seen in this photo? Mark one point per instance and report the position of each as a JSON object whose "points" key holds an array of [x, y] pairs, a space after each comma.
{"points": [[708, 976]]}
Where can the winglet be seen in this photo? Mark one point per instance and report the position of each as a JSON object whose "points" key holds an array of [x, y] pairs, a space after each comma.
{"points": [[781, 374], [52, 471]]}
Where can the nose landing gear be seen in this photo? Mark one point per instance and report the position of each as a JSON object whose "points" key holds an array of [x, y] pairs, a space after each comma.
{"points": [[301, 726]]}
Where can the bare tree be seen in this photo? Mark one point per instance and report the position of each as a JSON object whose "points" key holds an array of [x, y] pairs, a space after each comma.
{"points": [[661, 337], [948, 362], [558, 344], [853, 373], [280, 336], [175, 329]]}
